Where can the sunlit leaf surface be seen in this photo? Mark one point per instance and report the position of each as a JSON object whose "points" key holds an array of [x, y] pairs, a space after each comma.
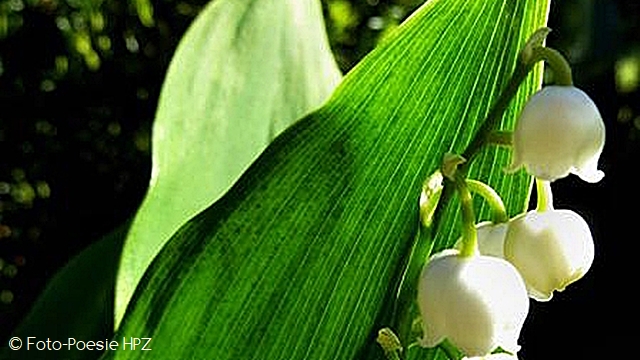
{"points": [[244, 71]]}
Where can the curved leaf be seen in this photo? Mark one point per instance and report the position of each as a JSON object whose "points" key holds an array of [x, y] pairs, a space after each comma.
{"points": [[299, 259], [76, 303], [226, 95]]}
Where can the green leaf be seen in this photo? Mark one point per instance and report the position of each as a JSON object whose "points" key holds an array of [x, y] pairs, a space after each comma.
{"points": [[76, 303], [244, 71], [302, 257]]}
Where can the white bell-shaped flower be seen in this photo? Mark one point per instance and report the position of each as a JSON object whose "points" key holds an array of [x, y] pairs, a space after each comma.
{"points": [[491, 238], [551, 249], [499, 356], [559, 131], [478, 303]]}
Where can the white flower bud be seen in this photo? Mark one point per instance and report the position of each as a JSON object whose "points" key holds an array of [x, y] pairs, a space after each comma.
{"points": [[550, 249], [559, 131], [478, 303]]}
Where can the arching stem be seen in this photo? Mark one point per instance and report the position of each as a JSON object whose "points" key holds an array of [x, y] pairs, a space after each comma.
{"points": [[499, 212]]}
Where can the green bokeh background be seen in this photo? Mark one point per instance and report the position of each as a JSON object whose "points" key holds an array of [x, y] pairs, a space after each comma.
{"points": [[79, 84]]}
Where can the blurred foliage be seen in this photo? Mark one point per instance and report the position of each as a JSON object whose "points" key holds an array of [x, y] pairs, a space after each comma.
{"points": [[79, 82], [601, 39]]}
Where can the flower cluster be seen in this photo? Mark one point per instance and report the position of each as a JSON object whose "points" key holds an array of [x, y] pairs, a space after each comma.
{"points": [[477, 296]]}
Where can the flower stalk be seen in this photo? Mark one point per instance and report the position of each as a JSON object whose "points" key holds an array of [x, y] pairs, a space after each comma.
{"points": [[532, 53], [499, 212], [469, 234], [450, 164], [544, 196]]}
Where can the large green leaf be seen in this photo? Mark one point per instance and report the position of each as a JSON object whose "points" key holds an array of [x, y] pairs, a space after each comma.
{"points": [[300, 259], [244, 71]]}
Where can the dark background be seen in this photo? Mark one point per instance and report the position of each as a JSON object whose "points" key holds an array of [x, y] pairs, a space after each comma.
{"points": [[79, 83]]}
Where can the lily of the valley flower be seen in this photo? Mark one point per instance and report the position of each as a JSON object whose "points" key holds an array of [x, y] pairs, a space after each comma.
{"points": [[559, 132], [491, 238], [500, 356], [551, 249], [478, 303]]}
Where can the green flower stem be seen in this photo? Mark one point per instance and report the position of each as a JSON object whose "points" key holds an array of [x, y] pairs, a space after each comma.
{"points": [[499, 212], [450, 350], [544, 196], [523, 66], [532, 53], [557, 63], [503, 138], [405, 308], [469, 233], [450, 164], [495, 114]]}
